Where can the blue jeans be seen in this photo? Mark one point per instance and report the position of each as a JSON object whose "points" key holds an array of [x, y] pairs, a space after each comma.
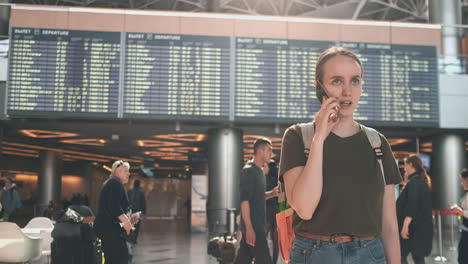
{"points": [[312, 251]]}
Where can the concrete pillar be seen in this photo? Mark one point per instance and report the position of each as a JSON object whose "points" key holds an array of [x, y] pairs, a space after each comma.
{"points": [[1, 147], [448, 12], [224, 165], [448, 158], [4, 17], [49, 182]]}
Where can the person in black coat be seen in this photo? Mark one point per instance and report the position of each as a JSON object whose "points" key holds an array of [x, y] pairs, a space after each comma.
{"points": [[462, 210], [414, 212], [113, 206], [137, 200]]}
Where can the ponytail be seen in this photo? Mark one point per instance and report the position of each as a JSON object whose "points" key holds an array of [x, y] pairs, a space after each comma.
{"points": [[418, 166]]}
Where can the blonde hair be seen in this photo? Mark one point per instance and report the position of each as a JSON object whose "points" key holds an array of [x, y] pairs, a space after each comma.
{"points": [[117, 164]]}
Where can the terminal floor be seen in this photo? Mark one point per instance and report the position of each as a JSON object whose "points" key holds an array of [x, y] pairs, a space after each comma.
{"points": [[173, 246], [169, 242]]}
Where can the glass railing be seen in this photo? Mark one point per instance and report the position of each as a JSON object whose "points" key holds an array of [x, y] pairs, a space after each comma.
{"points": [[453, 64], [4, 48]]}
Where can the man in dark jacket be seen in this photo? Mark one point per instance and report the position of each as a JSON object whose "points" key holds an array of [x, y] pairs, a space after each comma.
{"points": [[137, 200]]}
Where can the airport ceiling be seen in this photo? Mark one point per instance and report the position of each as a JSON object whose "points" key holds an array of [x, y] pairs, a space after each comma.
{"points": [[164, 143], [393, 10]]}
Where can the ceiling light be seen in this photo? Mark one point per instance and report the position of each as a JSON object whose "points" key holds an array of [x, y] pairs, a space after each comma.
{"points": [[71, 152], [86, 142], [182, 137], [426, 145], [35, 133], [397, 141], [107, 168], [149, 143]]}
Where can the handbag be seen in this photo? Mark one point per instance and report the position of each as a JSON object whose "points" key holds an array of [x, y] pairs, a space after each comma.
{"points": [[130, 238], [284, 221]]}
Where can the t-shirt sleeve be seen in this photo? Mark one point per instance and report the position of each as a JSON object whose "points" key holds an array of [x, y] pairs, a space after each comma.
{"points": [[292, 151], [392, 173], [247, 184]]}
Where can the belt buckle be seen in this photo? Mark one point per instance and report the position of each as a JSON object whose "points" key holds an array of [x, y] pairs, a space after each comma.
{"points": [[334, 236]]}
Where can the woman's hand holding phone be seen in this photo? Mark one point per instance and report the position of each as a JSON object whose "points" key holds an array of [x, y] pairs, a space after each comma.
{"points": [[323, 94], [323, 121]]}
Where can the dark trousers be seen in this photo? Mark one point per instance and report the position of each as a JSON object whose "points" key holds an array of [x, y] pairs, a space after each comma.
{"points": [[463, 248], [271, 211], [416, 259], [260, 251], [137, 230], [115, 248], [272, 230]]}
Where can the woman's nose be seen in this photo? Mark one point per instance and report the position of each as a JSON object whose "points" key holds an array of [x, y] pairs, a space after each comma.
{"points": [[346, 90]]}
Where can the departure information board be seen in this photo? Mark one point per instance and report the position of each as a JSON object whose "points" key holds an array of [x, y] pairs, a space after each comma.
{"points": [[274, 80], [187, 77], [177, 76], [63, 72], [401, 84]]}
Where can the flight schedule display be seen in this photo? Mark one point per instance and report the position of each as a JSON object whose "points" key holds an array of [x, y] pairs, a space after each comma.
{"points": [[130, 75], [63, 73], [176, 76], [401, 84], [274, 79]]}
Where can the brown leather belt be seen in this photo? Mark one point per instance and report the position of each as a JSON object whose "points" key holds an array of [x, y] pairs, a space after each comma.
{"points": [[337, 238]]}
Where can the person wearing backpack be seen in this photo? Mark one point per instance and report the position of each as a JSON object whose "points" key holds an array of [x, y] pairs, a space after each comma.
{"points": [[340, 183], [10, 200]]}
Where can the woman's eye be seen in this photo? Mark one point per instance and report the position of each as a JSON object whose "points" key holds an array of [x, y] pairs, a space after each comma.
{"points": [[336, 82], [356, 81]]}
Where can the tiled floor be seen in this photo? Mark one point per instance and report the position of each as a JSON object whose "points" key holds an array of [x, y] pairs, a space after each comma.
{"points": [[176, 246], [169, 242]]}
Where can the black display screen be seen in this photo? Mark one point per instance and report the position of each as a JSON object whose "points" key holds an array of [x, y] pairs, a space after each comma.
{"points": [[63, 72], [176, 76]]}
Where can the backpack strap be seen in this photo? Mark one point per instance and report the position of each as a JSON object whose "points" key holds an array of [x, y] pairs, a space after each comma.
{"points": [[308, 131], [376, 143]]}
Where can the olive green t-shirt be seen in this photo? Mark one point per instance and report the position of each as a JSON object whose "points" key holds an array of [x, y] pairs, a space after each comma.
{"points": [[353, 187]]}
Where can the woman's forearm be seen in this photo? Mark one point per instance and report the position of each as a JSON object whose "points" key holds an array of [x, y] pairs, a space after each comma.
{"points": [[307, 189], [390, 236], [407, 221]]}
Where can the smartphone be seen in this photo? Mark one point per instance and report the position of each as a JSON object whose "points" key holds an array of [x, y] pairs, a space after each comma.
{"points": [[322, 93]]}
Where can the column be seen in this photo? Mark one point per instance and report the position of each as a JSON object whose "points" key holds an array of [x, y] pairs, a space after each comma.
{"points": [[448, 158], [50, 179], [448, 12], [4, 17], [225, 162]]}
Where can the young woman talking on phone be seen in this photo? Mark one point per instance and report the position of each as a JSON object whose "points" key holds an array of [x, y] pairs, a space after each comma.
{"points": [[344, 206]]}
